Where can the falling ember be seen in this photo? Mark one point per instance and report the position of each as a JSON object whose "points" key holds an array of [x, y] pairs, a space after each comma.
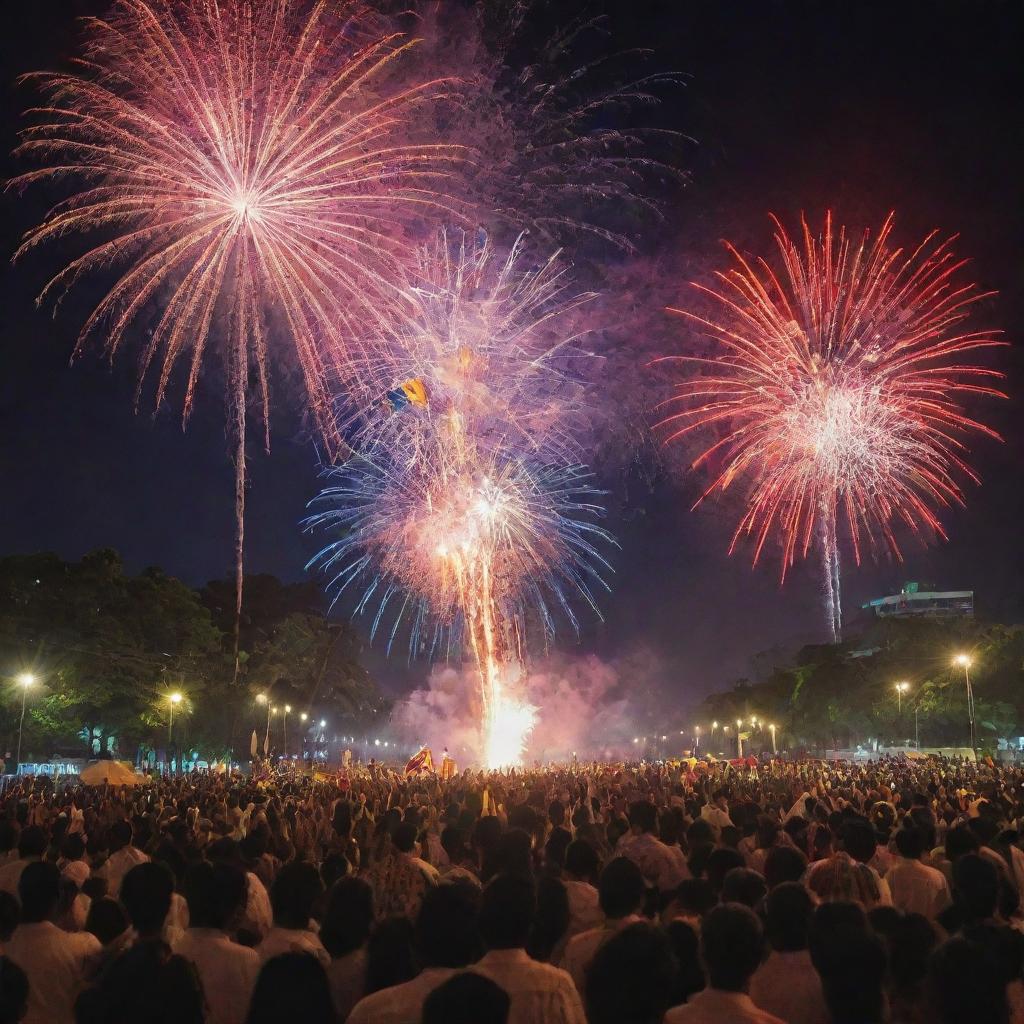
{"points": [[235, 158], [838, 390]]}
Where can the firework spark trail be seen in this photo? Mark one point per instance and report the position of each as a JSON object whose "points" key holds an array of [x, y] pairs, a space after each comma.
{"points": [[838, 393], [235, 158]]}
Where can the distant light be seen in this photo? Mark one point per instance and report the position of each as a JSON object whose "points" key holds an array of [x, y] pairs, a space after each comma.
{"points": [[323, 724], [376, 743], [287, 709], [261, 698], [963, 660], [26, 679], [174, 698], [303, 716]]}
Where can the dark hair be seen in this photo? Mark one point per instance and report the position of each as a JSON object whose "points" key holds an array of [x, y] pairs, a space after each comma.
{"points": [[467, 998], [119, 835], [292, 986], [581, 859], [106, 919], [13, 991], [507, 912], [8, 835], [146, 894], [214, 892], [959, 841], [788, 917], [446, 933], [453, 842], [72, 847], [295, 890], [643, 815], [784, 864], [38, 891], [720, 863], [852, 963], [404, 837], [731, 943], [910, 842], [621, 888], [695, 896], [348, 917], [31, 842], [976, 886], [551, 921], [859, 839], [10, 914], [963, 984], [513, 853], [689, 972], [630, 980], [389, 959], [742, 885]]}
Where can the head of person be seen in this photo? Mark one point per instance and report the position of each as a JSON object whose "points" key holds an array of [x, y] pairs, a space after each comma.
{"points": [[551, 921], [293, 894], [453, 842], [72, 847], [348, 917], [767, 832], [788, 917], [631, 978], [106, 919], [146, 894], [38, 892], [389, 955], [976, 886], [620, 889], [507, 911], [119, 835], [447, 930], [467, 998], [959, 841], [404, 837], [731, 944], [910, 842], [689, 976], [10, 914], [13, 992], [963, 984], [31, 843], [513, 853], [720, 862], [852, 963], [693, 898], [643, 817], [741, 885], [215, 893], [784, 864], [581, 860], [8, 836], [858, 839], [292, 986]]}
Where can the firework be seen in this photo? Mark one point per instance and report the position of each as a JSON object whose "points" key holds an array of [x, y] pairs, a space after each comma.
{"points": [[837, 394], [234, 159]]}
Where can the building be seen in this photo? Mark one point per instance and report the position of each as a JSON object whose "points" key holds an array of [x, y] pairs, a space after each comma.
{"points": [[921, 600]]}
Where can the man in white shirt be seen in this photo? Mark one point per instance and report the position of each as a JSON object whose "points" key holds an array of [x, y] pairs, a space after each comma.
{"points": [[621, 894], [581, 864], [730, 941], [716, 812], [661, 867], [915, 887], [123, 857], [445, 940], [227, 971], [295, 890], [845, 874], [31, 847], [786, 984], [57, 962], [539, 993]]}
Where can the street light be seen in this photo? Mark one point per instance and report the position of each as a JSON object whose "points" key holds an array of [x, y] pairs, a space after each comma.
{"points": [[696, 742], [739, 738], [771, 729], [262, 698], [173, 699], [901, 688], [964, 661], [287, 712], [25, 680]]}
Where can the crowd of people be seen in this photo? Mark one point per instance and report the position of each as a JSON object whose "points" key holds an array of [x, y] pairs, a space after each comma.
{"points": [[807, 893]]}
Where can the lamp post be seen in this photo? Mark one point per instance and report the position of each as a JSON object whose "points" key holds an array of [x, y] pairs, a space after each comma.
{"points": [[287, 711], [739, 738], [714, 726], [964, 661], [173, 699], [25, 680], [302, 718], [696, 739], [901, 688], [261, 698], [771, 729]]}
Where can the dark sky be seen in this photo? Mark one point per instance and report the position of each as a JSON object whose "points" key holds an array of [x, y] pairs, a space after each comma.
{"points": [[864, 107]]}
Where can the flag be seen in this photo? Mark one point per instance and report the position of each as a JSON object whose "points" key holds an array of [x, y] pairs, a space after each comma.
{"points": [[420, 763]]}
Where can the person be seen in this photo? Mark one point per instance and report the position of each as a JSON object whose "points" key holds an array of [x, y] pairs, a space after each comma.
{"points": [[460, 866], [784, 864], [963, 984], [716, 812], [845, 874], [976, 884], [689, 977], [915, 887], [31, 847], [581, 868], [731, 943], [551, 922], [786, 984], [56, 962], [744, 885], [631, 978], [661, 868], [345, 932], [13, 992], [227, 971], [467, 998], [146, 893], [291, 987], [10, 912], [539, 993], [398, 883], [122, 858], [621, 893], [295, 890], [446, 940], [851, 961]]}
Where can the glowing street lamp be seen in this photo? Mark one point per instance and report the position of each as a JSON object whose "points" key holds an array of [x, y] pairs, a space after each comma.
{"points": [[287, 712], [696, 738], [901, 688], [771, 729], [964, 661], [25, 680]]}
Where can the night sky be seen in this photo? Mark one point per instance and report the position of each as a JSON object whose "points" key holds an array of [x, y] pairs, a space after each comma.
{"points": [[864, 107]]}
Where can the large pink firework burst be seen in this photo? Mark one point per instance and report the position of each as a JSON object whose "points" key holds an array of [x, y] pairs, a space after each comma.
{"points": [[837, 393], [248, 168]]}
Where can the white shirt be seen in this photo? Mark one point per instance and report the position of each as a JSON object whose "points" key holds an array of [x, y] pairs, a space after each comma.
{"points": [[917, 888], [227, 971], [583, 948], [400, 1004], [584, 909], [787, 985], [56, 963], [713, 1006], [539, 993], [346, 977], [657, 863], [258, 917], [10, 874], [291, 940], [117, 865]]}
